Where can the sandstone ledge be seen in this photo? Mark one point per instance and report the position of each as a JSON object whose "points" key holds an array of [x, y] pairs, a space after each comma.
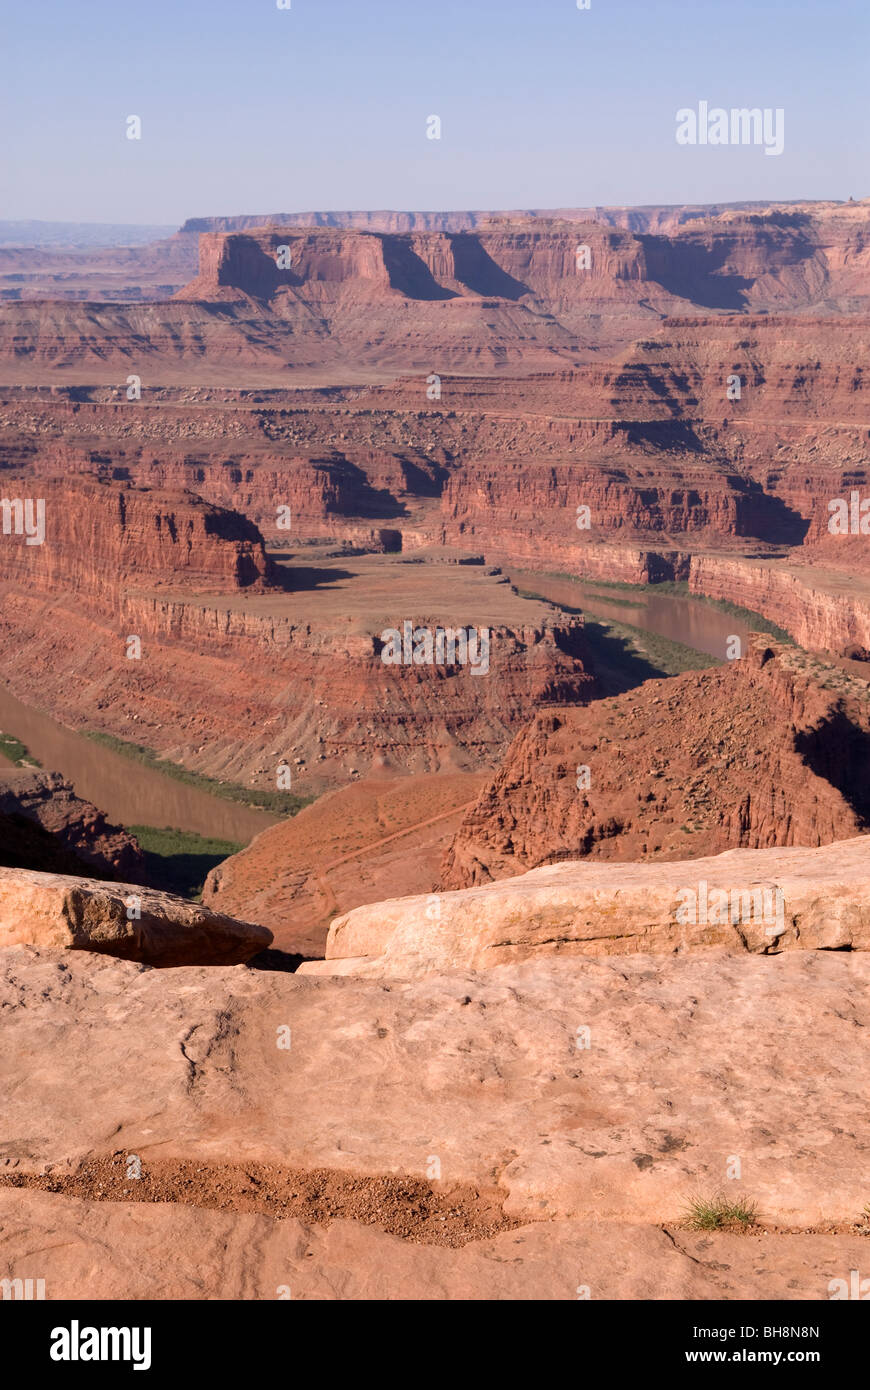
{"points": [[780, 900], [688, 1061], [85, 914]]}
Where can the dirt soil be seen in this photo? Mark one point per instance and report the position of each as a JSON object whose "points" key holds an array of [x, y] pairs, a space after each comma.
{"points": [[411, 1208]]}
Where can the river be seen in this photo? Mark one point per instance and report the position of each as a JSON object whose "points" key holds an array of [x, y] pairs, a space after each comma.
{"points": [[132, 794], [677, 617], [128, 792]]}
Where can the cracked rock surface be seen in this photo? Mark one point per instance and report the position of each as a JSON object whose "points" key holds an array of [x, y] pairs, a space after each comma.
{"points": [[595, 1096]]}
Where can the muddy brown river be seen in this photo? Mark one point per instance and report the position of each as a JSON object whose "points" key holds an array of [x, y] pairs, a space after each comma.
{"points": [[674, 616], [128, 792]]}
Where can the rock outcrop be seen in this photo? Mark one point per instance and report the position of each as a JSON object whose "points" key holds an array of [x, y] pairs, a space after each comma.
{"points": [[762, 901], [44, 825], [125, 920], [764, 750], [90, 538]]}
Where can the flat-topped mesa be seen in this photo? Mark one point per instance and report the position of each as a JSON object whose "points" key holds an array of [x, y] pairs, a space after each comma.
{"points": [[514, 295], [648, 217], [774, 261], [559, 261], [319, 670], [92, 537], [754, 753]]}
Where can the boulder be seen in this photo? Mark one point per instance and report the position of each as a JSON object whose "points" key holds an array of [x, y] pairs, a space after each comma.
{"points": [[117, 919]]}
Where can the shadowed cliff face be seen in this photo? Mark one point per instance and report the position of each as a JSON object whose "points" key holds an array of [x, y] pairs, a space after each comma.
{"points": [[505, 263], [736, 262], [45, 826]]}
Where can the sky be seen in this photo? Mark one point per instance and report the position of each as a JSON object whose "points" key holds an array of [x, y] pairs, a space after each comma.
{"points": [[248, 108]]}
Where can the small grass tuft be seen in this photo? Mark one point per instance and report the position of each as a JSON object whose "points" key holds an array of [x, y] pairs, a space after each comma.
{"points": [[720, 1213]]}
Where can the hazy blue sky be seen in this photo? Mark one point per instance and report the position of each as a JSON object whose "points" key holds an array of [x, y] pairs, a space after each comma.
{"points": [[248, 108]]}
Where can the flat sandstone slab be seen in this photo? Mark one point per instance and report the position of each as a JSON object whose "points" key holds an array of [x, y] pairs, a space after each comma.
{"points": [[763, 900], [605, 1089], [118, 919]]}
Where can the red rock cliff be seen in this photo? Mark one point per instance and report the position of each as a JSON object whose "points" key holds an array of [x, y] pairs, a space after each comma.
{"points": [[99, 537], [752, 754]]}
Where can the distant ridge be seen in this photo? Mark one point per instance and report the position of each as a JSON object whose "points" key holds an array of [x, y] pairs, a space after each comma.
{"points": [[81, 234], [650, 217]]}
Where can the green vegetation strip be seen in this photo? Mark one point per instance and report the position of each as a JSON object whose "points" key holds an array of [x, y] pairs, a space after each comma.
{"points": [[665, 656], [632, 654], [279, 803], [178, 861], [15, 752]]}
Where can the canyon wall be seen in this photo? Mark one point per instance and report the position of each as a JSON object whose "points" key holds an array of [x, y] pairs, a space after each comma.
{"points": [[651, 445], [94, 537], [820, 610], [242, 663]]}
